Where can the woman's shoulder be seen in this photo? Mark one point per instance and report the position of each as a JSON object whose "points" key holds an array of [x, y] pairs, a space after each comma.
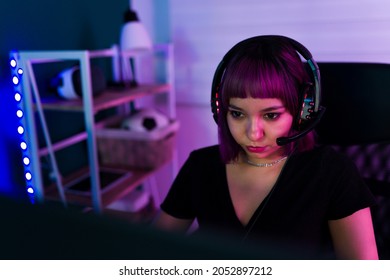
{"points": [[206, 151], [323, 154], [206, 154], [328, 152]]}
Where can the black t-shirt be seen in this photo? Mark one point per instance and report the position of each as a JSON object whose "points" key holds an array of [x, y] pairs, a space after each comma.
{"points": [[313, 187]]}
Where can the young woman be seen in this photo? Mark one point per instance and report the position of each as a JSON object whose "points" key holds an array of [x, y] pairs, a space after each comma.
{"points": [[302, 196]]}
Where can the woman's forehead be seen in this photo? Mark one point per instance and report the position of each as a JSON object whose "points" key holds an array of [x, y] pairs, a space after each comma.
{"points": [[258, 103]]}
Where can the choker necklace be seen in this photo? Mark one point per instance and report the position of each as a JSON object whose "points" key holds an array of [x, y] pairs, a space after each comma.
{"points": [[265, 164]]}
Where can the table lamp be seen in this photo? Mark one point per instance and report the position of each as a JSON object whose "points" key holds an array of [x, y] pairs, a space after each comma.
{"points": [[133, 37]]}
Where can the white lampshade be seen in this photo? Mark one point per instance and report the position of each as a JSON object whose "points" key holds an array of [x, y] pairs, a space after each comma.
{"points": [[134, 35]]}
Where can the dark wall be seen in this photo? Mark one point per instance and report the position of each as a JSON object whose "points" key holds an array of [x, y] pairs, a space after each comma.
{"points": [[45, 25]]}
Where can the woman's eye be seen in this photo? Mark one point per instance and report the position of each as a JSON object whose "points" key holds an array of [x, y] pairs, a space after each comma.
{"points": [[272, 116], [235, 114]]}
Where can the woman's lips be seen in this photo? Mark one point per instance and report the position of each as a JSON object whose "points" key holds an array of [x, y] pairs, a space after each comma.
{"points": [[253, 149]]}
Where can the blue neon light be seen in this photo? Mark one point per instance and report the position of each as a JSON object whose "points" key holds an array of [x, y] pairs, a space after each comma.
{"points": [[16, 79]]}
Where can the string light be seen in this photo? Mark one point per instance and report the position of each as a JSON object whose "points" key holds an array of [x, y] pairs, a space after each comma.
{"points": [[23, 145], [26, 161], [20, 129], [18, 97], [15, 80], [19, 113], [12, 62]]}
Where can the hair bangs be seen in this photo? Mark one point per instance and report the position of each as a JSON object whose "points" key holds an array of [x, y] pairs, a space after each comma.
{"points": [[257, 79]]}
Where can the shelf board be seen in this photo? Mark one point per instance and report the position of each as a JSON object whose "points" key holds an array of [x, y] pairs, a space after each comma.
{"points": [[129, 180], [108, 99], [76, 138]]}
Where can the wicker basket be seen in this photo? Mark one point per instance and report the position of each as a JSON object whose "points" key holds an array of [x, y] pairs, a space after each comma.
{"points": [[141, 150]]}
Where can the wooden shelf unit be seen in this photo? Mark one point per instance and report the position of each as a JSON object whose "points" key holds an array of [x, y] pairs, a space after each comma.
{"points": [[99, 196]]}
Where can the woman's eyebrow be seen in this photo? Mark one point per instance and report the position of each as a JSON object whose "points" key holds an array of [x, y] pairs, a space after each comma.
{"points": [[234, 107], [268, 109], [273, 108]]}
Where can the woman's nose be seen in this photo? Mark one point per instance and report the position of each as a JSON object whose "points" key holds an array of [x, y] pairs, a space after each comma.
{"points": [[255, 129]]}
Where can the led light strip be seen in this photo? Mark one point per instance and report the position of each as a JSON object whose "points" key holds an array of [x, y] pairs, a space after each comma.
{"points": [[17, 73]]}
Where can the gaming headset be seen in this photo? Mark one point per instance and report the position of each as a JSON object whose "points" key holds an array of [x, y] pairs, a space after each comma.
{"points": [[311, 111]]}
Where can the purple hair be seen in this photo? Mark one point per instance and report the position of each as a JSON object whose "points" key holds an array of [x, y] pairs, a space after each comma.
{"points": [[270, 68]]}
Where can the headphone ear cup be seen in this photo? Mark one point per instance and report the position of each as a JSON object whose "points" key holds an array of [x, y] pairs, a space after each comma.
{"points": [[215, 105], [306, 111], [215, 89]]}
